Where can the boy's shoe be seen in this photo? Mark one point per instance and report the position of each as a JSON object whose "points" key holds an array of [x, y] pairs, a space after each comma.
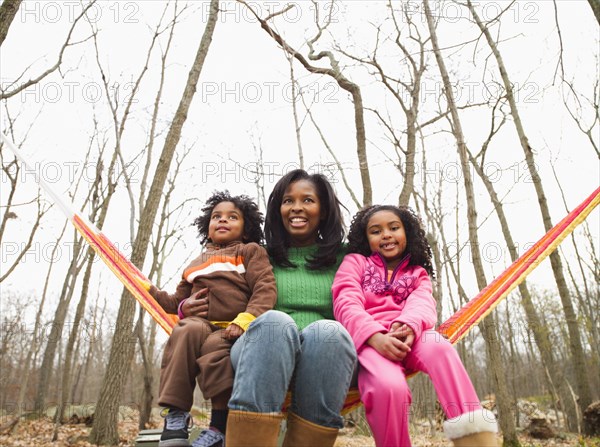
{"points": [[210, 438], [176, 431]]}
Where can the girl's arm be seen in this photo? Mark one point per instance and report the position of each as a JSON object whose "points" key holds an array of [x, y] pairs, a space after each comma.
{"points": [[419, 312], [349, 301]]}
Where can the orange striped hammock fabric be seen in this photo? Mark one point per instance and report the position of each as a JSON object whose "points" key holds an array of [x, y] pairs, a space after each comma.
{"points": [[454, 328]]}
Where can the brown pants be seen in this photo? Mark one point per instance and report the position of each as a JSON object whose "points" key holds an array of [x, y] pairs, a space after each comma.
{"points": [[196, 350]]}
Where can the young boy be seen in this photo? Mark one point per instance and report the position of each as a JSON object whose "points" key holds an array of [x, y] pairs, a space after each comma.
{"points": [[236, 271]]}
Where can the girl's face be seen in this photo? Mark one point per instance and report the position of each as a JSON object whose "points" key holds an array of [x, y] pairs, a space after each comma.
{"points": [[386, 235], [226, 224], [301, 213]]}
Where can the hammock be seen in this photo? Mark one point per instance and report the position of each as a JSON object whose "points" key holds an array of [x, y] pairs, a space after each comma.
{"points": [[454, 328]]}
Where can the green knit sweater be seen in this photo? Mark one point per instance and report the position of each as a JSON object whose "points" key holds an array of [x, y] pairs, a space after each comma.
{"points": [[303, 294]]}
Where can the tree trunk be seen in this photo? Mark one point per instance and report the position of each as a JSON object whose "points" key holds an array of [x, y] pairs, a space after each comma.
{"points": [[540, 332], [36, 335], [488, 326], [8, 11], [578, 358], [104, 430], [57, 327], [147, 395], [409, 169], [595, 5], [67, 364], [89, 355], [297, 124]]}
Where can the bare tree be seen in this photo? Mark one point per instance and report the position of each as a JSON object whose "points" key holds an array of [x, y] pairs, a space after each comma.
{"points": [[296, 91], [62, 308], [540, 333], [587, 295], [168, 235], [488, 325], [333, 71], [100, 203], [18, 86], [595, 5], [581, 374], [337, 162], [104, 430], [11, 170], [8, 11], [406, 90], [590, 130]]}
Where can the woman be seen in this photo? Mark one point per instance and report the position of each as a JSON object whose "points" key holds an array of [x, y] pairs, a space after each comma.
{"points": [[298, 346]]}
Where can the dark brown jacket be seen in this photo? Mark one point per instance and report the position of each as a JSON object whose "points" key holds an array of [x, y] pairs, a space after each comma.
{"points": [[239, 278]]}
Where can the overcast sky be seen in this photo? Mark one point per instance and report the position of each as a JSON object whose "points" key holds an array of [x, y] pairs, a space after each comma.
{"points": [[243, 102]]}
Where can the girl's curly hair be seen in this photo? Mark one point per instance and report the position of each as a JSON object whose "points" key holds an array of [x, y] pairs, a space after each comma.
{"points": [[253, 218], [416, 241]]}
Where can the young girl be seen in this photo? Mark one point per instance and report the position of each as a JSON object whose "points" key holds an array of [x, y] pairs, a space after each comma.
{"points": [[382, 294], [241, 286]]}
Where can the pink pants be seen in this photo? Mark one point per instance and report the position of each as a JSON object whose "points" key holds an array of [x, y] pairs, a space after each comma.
{"points": [[386, 396]]}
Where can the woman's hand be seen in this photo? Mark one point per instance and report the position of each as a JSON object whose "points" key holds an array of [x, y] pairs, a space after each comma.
{"points": [[403, 332], [196, 305], [389, 346], [232, 332]]}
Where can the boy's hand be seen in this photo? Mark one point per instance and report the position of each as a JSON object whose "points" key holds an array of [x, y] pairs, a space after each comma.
{"points": [[196, 305], [389, 346], [233, 331], [402, 332]]}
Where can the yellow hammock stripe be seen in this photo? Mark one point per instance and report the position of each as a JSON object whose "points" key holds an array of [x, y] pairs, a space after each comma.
{"points": [[455, 328]]}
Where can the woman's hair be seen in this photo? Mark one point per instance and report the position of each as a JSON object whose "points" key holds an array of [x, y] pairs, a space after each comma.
{"points": [[416, 241], [331, 229], [253, 218]]}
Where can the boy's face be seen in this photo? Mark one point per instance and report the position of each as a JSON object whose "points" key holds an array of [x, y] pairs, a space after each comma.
{"points": [[226, 224]]}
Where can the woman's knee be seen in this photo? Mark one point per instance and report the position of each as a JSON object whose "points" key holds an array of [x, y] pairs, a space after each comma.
{"points": [[272, 327], [327, 331], [326, 343], [274, 317]]}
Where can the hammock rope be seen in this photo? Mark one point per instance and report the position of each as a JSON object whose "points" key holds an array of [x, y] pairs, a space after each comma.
{"points": [[454, 328]]}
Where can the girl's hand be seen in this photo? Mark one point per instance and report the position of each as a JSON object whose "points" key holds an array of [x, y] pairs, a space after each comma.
{"points": [[196, 305], [402, 332], [389, 346], [232, 332]]}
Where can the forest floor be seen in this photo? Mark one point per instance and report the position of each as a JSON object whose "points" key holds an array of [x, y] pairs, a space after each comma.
{"points": [[39, 433]]}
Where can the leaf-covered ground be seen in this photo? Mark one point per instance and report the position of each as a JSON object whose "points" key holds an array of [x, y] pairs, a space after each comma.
{"points": [[39, 433]]}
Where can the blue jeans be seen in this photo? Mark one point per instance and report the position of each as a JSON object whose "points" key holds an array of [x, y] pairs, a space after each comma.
{"points": [[315, 364]]}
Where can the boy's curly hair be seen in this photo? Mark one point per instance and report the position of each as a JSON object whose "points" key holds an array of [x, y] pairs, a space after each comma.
{"points": [[253, 218], [416, 241]]}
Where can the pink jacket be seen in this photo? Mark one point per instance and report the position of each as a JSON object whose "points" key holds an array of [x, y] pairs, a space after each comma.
{"points": [[365, 302]]}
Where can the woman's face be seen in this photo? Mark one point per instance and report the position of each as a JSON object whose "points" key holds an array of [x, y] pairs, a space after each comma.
{"points": [[301, 213]]}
